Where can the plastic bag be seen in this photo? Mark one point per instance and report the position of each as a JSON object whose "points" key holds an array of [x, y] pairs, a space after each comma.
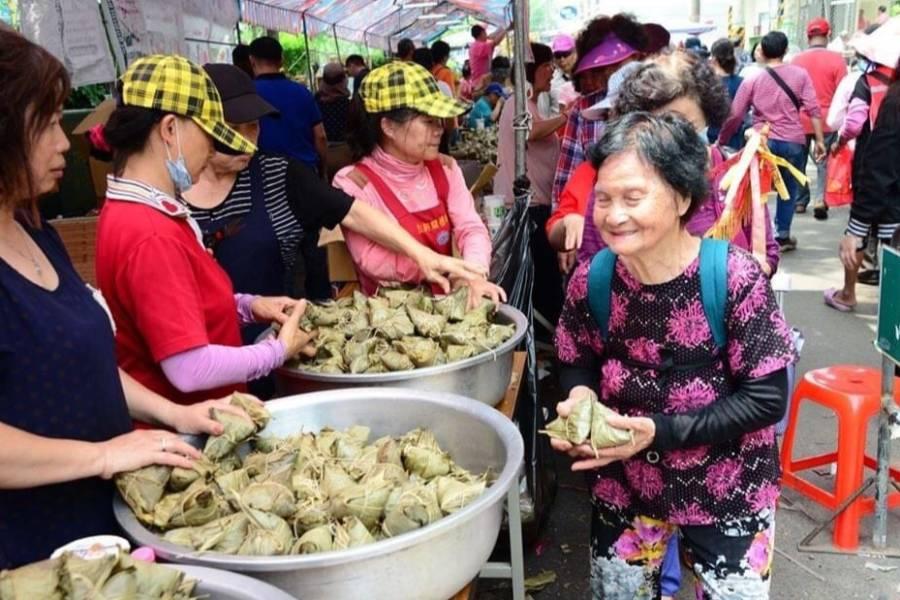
{"points": [[838, 184]]}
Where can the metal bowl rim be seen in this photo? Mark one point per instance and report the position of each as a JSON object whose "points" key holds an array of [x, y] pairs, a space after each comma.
{"points": [[510, 312], [505, 428]]}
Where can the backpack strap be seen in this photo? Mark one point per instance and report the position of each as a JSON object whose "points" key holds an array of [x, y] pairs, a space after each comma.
{"points": [[600, 276], [714, 286]]}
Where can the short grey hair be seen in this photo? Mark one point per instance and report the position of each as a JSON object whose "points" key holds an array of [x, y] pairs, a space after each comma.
{"points": [[666, 142]]}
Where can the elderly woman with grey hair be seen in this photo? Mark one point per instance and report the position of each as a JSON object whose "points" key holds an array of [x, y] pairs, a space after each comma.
{"points": [[683, 338]]}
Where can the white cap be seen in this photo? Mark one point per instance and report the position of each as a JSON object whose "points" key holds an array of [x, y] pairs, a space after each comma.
{"points": [[598, 110]]}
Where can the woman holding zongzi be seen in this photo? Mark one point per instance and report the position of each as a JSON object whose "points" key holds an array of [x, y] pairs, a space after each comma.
{"points": [[395, 130], [699, 394], [65, 408]]}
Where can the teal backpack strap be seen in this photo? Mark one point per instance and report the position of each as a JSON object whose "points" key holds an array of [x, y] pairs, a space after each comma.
{"points": [[599, 288], [714, 286]]}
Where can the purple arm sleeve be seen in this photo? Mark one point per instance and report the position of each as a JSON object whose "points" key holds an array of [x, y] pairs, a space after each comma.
{"points": [[215, 366], [857, 115], [245, 313]]}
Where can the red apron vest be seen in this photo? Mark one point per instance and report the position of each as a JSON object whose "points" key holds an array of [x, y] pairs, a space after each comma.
{"points": [[431, 227]]}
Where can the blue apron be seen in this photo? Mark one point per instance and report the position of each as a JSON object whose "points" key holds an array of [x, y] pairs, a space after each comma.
{"points": [[248, 250]]}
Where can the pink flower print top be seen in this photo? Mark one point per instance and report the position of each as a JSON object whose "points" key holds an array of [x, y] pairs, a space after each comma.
{"points": [[653, 324]]}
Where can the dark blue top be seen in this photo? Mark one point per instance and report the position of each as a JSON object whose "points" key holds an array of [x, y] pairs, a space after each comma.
{"points": [[58, 379], [291, 133], [731, 83]]}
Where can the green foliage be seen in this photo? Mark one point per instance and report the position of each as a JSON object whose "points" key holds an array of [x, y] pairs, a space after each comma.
{"points": [[87, 96]]}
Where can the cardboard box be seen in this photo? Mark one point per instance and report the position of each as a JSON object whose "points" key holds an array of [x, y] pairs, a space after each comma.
{"points": [[340, 264]]}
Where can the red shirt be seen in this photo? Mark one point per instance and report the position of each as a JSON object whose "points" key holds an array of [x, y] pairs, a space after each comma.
{"points": [[574, 198], [166, 293], [826, 69], [480, 54]]}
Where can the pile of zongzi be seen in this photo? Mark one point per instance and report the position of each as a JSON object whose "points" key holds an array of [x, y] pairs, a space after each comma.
{"points": [[308, 493], [587, 424], [399, 330], [476, 144], [111, 577]]}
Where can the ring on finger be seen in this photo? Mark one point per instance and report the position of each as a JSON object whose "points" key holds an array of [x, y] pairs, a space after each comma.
{"points": [[163, 443]]}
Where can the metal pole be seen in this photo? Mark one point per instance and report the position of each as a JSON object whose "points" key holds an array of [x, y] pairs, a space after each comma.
{"points": [[337, 44], [695, 11], [519, 22], [309, 69], [882, 477]]}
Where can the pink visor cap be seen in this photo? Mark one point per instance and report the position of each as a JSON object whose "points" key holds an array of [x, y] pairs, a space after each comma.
{"points": [[563, 43], [610, 51]]}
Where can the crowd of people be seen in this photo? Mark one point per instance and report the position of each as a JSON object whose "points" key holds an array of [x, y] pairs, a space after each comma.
{"points": [[223, 175]]}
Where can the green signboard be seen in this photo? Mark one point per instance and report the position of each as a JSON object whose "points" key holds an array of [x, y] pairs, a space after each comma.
{"points": [[888, 341]]}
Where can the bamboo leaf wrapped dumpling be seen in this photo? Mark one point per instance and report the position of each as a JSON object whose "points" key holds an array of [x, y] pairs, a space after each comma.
{"points": [[454, 495], [195, 506], [453, 306], [410, 507], [311, 513], [421, 351], [156, 581], [576, 428], [38, 580], [364, 501], [427, 324], [604, 435], [82, 578], [270, 497], [426, 462], [267, 535], [351, 533], [256, 411], [143, 488], [395, 361], [396, 326], [237, 431], [318, 539], [480, 315], [181, 479]]}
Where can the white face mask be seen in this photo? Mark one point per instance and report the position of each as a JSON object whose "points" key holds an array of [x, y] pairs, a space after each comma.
{"points": [[178, 171]]}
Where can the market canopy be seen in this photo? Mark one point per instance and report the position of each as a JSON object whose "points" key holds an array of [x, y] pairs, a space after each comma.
{"points": [[376, 23]]}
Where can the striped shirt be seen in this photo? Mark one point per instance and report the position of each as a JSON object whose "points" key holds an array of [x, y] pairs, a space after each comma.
{"points": [[297, 200]]}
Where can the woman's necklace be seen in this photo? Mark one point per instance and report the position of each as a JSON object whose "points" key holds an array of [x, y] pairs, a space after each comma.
{"points": [[30, 256]]}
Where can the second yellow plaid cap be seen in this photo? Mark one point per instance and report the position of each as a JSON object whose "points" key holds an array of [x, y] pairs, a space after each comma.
{"points": [[407, 85], [174, 84]]}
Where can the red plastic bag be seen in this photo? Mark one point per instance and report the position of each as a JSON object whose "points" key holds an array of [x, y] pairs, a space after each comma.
{"points": [[838, 186]]}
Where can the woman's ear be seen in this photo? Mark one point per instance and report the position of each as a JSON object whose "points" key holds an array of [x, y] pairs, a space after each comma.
{"points": [[388, 128], [167, 131]]}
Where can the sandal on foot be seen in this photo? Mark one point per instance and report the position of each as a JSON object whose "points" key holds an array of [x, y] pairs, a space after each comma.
{"points": [[832, 301]]}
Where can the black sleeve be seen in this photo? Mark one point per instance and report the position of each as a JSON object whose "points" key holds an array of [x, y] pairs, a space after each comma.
{"points": [[570, 377], [315, 203], [755, 404], [878, 182]]}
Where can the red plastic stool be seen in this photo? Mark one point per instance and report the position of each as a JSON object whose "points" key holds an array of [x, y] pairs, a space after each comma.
{"points": [[854, 394]]}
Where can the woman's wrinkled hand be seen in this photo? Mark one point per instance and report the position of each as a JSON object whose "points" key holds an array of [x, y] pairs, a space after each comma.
{"points": [[481, 288], [566, 260], [197, 418], [295, 340], [272, 309], [440, 270], [573, 225], [143, 448]]}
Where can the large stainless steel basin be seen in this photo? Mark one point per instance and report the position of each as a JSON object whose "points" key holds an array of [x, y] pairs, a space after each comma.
{"points": [[484, 377], [432, 563]]}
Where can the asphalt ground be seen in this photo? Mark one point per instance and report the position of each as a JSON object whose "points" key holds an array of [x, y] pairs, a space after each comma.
{"points": [[831, 338]]}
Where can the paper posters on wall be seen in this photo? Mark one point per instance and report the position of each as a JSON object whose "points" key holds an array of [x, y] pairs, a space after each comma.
{"points": [[73, 32]]}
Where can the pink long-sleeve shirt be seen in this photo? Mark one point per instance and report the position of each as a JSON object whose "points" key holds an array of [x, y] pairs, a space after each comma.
{"points": [[772, 105], [413, 187], [212, 366]]}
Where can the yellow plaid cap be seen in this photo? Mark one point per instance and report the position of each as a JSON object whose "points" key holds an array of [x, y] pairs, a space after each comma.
{"points": [[407, 85], [174, 84]]}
